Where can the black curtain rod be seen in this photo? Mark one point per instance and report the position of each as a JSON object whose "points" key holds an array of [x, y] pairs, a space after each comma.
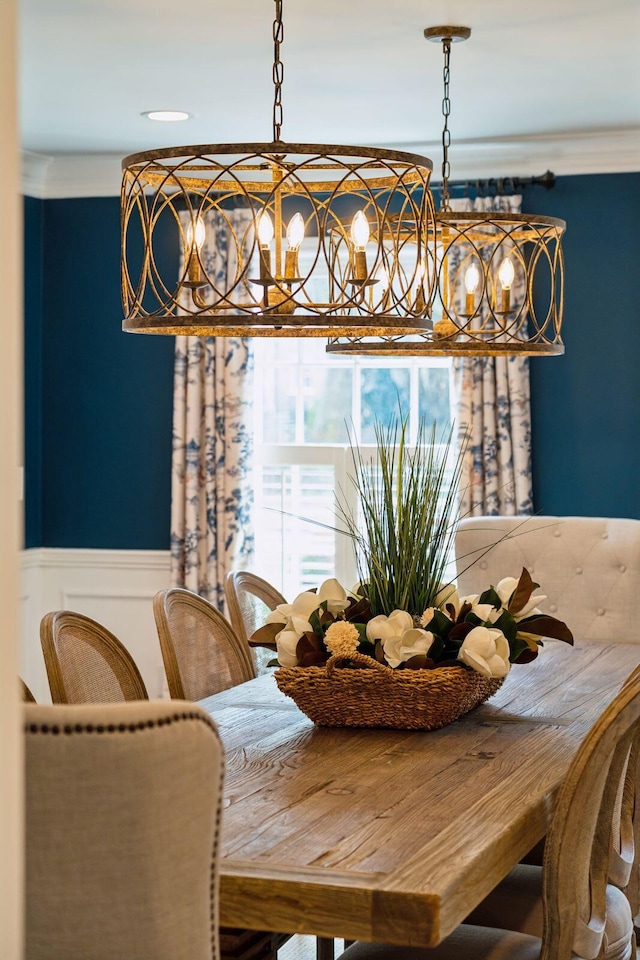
{"points": [[503, 185]]}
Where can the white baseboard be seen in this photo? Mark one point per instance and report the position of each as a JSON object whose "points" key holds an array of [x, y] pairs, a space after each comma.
{"points": [[115, 587]]}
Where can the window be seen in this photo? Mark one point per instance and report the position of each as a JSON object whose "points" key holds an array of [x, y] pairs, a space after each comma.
{"points": [[307, 403]]}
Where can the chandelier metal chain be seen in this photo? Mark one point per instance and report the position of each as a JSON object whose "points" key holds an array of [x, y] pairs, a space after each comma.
{"points": [[278, 71], [445, 206]]}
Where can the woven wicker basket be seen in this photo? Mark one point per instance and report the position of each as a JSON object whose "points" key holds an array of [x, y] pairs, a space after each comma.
{"points": [[374, 695]]}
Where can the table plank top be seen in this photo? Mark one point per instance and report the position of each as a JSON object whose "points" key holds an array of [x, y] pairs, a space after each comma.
{"points": [[394, 836]]}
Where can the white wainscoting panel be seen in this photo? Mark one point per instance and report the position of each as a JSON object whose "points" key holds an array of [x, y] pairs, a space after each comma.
{"points": [[115, 587]]}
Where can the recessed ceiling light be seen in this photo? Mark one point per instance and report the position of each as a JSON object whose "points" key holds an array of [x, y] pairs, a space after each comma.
{"points": [[167, 116]]}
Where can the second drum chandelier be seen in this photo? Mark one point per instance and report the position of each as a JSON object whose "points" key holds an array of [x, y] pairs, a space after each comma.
{"points": [[481, 260]]}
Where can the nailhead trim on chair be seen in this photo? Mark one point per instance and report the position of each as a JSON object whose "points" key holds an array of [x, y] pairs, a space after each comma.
{"points": [[111, 728]]}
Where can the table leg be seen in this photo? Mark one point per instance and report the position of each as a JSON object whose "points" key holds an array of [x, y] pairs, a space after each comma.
{"points": [[324, 949]]}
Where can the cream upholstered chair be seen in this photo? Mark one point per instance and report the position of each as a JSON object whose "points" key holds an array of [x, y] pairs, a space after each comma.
{"points": [[86, 663], [249, 600], [585, 915], [202, 654], [589, 567], [123, 809]]}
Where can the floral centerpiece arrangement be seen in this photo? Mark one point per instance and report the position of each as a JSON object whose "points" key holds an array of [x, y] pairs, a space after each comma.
{"points": [[402, 649]]}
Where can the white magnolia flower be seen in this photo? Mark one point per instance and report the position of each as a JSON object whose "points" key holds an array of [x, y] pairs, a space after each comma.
{"points": [[505, 591], [487, 651], [335, 595], [400, 639], [447, 594], [306, 603], [287, 641]]}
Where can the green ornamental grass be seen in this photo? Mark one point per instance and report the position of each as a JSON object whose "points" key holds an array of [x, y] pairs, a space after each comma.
{"points": [[408, 510]]}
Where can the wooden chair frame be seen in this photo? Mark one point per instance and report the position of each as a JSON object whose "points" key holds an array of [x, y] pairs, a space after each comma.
{"points": [[116, 655], [161, 610], [242, 581]]}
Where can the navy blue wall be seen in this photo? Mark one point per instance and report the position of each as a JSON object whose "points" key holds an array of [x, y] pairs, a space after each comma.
{"points": [[106, 396], [586, 404], [98, 402], [33, 261]]}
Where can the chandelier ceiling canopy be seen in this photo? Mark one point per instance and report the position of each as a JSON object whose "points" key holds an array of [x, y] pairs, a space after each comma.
{"points": [[499, 275], [321, 240]]}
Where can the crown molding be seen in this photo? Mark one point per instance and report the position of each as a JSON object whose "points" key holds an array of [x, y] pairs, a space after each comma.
{"points": [[590, 151], [581, 152], [73, 175]]}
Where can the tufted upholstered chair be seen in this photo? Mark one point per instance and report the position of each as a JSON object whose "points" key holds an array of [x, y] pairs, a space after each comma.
{"points": [[249, 600], [202, 653], [583, 914], [123, 807], [589, 567]]}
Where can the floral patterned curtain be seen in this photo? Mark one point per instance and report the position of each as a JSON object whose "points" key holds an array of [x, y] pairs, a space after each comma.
{"points": [[211, 490], [493, 409]]}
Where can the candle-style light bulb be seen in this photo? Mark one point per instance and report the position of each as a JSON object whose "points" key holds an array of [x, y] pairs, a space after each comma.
{"points": [[506, 274], [359, 239], [419, 304], [265, 230], [295, 236], [471, 281], [359, 232], [295, 231], [194, 240], [199, 233]]}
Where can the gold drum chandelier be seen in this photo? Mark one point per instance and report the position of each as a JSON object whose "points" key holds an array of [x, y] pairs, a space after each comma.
{"points": [[313, 232], [481, 259]]}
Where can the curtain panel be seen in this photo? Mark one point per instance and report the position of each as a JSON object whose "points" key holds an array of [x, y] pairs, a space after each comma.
{"points": [[211, 482], [492, 398]]}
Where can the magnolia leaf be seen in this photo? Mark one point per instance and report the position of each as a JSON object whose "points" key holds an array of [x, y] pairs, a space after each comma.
{"points": [[522, 593], [461, 630], [474, 619], [420, 662], [490, 596], [508, 625], [359, 610], [436, 649], [379, 649], [326, 618], [311, 651], [465, 609], [517, 648], [451, 610], [526, 656], [440, 624], [544, 626], [273, 663], [265, 636]]}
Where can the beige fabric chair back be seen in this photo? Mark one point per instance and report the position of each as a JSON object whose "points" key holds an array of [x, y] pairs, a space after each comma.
{"points": [[589, 567], [578, 864], [123, 809], [202, 654], [249, 600], [86, 663]]}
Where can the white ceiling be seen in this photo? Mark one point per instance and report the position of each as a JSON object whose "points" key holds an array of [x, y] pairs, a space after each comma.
{"points": [[356, 71]]}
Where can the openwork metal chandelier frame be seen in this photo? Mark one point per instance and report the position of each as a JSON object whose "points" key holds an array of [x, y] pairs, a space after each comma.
{"points": [[481, 260], [312, 232]]}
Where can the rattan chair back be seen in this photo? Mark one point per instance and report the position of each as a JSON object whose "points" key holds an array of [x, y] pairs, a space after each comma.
{"points": [[249, 600], [86, 663], [27, 696], [201, 652]]}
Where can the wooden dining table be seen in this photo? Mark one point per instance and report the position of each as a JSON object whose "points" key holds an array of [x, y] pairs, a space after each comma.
{"points": [[389, 835]]}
